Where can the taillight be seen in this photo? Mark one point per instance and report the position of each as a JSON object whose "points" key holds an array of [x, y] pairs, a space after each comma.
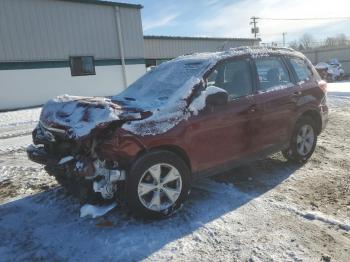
{"points": [[323, 86]]}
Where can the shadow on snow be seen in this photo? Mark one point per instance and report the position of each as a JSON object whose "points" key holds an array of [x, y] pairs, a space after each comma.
{"points": [[47, 225]]}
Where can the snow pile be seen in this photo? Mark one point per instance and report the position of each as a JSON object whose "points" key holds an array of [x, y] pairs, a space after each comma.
{"points": [[200, 101], [96, 211]]}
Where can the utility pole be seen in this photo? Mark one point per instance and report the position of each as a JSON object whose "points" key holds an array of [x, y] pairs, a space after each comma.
{"points": [[255, 29], [284, 38]]}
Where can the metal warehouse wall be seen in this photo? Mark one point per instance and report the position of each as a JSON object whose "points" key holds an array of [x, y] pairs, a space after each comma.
{"points": [[170, 47], [54, 30], [324, 55]]}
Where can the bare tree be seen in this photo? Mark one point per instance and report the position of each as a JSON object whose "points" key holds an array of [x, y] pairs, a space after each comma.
{"points": [[306, 41], [341, 39], [330, 41]]}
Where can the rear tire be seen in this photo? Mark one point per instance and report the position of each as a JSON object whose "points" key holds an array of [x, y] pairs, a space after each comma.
{"points": [[157, 184], [303, 141]]}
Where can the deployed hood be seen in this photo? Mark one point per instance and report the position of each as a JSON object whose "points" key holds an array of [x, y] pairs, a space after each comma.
{"points": [[79, 116]]}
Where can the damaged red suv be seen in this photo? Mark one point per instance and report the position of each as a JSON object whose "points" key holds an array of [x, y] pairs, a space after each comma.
{"points": [[191, 117]]}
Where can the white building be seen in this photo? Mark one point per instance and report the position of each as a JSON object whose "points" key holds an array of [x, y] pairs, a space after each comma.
{"points": [[53, 47], [81, 47]]}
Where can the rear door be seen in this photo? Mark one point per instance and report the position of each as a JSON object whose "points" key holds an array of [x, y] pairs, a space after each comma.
{"points": [[275, 100], [303, 73], [220, 134], [307, 79]]}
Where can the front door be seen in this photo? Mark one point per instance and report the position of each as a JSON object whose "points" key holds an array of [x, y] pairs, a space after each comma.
{"points": [[220, 134]]}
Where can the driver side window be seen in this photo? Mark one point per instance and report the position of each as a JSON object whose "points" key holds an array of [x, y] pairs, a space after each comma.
{"points": [[232, 76]]}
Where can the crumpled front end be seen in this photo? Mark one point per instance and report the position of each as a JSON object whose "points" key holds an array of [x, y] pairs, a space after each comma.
{"points": [[78, 141], [75, 162]]}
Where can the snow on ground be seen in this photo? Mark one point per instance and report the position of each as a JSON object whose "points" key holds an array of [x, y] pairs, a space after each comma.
{"points": [[15, 143], [268, 211], [339, 94], [19, 117], [16, 128]]}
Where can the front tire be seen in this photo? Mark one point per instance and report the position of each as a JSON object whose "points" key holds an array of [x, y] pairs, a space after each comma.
{"points": [[157, 184], [303, 141]]}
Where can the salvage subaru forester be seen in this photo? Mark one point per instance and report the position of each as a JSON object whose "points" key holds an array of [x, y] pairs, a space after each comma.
{"points": [[191, 117]]}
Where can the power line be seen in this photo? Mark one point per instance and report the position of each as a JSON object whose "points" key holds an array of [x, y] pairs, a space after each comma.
{"points": [[255, 29], [284, 38], [304, 19]]}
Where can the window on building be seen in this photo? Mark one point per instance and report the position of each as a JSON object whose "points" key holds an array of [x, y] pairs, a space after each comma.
{"points": [[272, 73], [82, 65], [301, 69]]}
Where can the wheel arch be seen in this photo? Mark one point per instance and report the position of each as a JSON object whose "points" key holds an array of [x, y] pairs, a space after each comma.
{"points": [[181, 153], [315, 115]]}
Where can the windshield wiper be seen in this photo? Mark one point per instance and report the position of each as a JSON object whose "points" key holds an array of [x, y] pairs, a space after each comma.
{"points": [[130, 98], [163, 98]]}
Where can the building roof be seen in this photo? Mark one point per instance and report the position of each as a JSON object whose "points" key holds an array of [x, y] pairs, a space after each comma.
{"points": [[199, 38], [103, 2]]}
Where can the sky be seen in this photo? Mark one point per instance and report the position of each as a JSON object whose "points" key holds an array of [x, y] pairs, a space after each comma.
{"points": [[230, 18]]}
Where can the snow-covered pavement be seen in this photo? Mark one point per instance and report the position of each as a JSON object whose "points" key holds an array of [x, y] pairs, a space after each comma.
{"points": [[16, 128], [267, 211]]}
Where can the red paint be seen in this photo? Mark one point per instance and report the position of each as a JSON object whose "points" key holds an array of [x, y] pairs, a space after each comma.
{"points": [[221, 134]]}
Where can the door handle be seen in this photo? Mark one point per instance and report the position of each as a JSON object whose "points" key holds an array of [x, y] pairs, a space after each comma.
{"points": [[297, 94], [252, 109]]}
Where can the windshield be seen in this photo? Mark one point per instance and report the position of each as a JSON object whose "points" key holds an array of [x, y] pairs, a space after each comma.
{"points": [[156, 87]]}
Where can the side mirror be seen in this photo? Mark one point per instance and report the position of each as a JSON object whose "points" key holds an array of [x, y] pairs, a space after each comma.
{"points": [[216, 96]]}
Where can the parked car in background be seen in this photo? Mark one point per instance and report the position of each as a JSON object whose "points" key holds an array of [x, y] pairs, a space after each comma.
{"points": [[336, 69], [332, 71], [192, 117]]}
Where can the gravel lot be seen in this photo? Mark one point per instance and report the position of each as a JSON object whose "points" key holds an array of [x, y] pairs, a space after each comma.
{"points": [[268, 211]]}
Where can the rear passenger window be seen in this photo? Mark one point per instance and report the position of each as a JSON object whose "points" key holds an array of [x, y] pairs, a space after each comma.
{"points": [[301, 69], [234, 77], [272, 74]]}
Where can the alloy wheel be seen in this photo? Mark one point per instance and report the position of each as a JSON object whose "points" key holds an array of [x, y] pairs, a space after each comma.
{"points": [[160, 187], [305, 139]]}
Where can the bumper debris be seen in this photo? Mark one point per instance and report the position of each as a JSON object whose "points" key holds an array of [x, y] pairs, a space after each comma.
{"points": [[96, 211]]}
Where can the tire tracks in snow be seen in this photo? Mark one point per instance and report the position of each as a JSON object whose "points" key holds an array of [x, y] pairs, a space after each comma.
{"points": [[313, 216], [14, 144], [16, 134]]}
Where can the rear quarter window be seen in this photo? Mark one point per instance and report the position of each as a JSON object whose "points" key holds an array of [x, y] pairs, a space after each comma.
{"points": [[301, 69]]}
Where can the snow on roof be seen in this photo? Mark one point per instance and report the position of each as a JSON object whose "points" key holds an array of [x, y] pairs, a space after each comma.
{"points": [[254, 51], [167, 37]]}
